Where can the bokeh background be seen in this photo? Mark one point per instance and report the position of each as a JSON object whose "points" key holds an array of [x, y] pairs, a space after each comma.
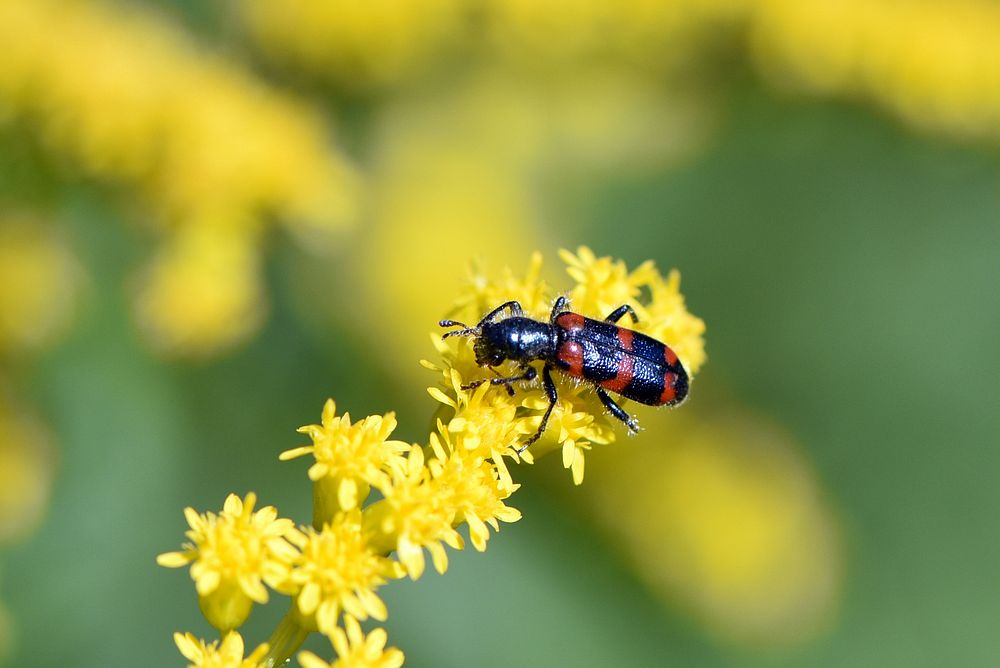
{"points": [[214, 215]]}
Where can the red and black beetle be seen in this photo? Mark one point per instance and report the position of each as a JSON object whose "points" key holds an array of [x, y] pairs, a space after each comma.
{"points": [[610, 357]]}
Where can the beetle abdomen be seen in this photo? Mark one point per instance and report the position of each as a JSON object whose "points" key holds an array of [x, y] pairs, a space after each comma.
{"points": [[621, 360]]}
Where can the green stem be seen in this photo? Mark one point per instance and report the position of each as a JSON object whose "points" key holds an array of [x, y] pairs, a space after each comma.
{"points": [[285, 640]]}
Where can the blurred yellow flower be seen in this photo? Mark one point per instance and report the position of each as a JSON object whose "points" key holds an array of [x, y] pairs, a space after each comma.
{"points": [[473, 204], [726, 517], [202, 293], [213, 655], [39, 282], [132, 98], [358, 44], [933, 63], [646, 33], [215, 153], [356, 650], [233, 555], [26, 472]]}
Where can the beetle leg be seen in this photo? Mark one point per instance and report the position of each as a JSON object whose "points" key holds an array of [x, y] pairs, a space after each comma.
{"points": [[617, 314], [553, 396], [527, 373], [558, 307], [617, 410], [513, 305]]}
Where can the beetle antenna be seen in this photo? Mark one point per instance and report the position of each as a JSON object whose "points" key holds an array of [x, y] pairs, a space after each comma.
{"points": [[465, 331]]}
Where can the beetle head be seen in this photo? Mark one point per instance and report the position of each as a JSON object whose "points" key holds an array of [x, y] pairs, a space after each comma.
{"points": [[489, 346]]}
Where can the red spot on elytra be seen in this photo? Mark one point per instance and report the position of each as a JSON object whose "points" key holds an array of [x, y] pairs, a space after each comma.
{"points": [[625, 336], [626, 369], [670, 356], [571, 322], [669, 393], [571, 354]]}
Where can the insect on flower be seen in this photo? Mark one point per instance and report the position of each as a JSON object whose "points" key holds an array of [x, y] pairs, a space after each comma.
{"points": [[608, 356]]}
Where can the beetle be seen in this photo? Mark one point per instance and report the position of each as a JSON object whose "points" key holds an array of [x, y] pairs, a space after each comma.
{"points": [[600, 352]]}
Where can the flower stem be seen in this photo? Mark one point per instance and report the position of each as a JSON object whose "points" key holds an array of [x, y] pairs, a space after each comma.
{"points": [[286, 639]]}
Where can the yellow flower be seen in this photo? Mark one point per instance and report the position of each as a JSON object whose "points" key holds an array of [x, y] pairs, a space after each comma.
{"points": [[484, 423], [666, 318], [473, 487], [338, 570], [573, 427], [483, 294], [212, 655], [349, 459], [355, 650], [603, 284], [234, 554], [414, 515]]}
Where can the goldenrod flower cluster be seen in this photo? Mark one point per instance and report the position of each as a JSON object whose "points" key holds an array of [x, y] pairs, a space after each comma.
{"points": [[359, 541], [131, 101]]}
